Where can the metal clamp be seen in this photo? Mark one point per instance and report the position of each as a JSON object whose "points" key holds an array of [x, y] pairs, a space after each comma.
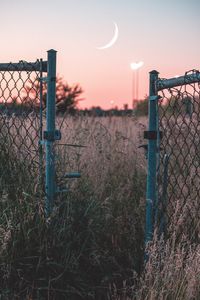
{"points": [[154, 97], [52, 135], [153, 134]]}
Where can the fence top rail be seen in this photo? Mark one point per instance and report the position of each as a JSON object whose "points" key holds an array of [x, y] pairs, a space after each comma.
{"points": [[24, 66], [162, 84]]}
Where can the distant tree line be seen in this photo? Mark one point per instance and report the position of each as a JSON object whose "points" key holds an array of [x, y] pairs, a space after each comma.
{"points": [[68, 97]]}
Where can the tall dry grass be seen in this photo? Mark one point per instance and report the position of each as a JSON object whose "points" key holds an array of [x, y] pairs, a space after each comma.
{"points": [[92, 246]]}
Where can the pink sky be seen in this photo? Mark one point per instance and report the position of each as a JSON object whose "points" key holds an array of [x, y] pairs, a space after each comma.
{"points": [[163, 34]]}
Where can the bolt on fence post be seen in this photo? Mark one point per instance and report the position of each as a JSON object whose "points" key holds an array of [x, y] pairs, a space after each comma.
{"points": [[50, 132], [152, 157]]}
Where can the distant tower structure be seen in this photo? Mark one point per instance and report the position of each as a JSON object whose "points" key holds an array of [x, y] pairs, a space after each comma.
{"points": [[135, 81]]}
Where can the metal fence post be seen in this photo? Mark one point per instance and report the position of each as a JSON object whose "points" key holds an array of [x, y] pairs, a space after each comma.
{"points": [[49, 135], [152, 156]]}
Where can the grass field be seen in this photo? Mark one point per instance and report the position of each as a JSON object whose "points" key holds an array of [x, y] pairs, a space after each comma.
{"points": [[92, 246]]}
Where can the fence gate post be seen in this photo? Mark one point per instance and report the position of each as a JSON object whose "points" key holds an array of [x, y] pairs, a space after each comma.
{"points": [[152, 156], [49, 134]]}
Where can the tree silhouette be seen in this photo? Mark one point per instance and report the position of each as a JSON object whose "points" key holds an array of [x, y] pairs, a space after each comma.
{"points": [[67, 97]]}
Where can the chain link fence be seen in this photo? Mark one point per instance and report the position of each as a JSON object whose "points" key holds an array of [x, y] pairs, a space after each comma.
{"points": [[178, 169], [20, 125]]}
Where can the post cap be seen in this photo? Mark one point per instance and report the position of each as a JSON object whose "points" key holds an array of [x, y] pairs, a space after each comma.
{"points": [[154, 72], [51, 50]]}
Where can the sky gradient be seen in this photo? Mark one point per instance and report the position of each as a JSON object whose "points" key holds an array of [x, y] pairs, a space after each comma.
{"points": [[163, 34]]}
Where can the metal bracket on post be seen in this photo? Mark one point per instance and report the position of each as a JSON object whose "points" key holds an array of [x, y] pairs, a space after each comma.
{"points": [[72, 175], [50, 189], [52, 136], [153, 98], [153, 135]]}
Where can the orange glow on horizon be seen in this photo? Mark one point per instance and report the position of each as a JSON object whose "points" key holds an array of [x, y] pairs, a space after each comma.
{"points": [[76, 28]]}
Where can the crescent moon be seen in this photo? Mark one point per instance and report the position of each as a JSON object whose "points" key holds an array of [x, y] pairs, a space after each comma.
{"points": [[114, 39]]}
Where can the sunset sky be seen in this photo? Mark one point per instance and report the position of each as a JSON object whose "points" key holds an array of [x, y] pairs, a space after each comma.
{"points": [[163, 34]]}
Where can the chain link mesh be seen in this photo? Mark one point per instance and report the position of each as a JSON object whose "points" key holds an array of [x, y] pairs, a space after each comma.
{"points": [[20, 126], [178, 172]]}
